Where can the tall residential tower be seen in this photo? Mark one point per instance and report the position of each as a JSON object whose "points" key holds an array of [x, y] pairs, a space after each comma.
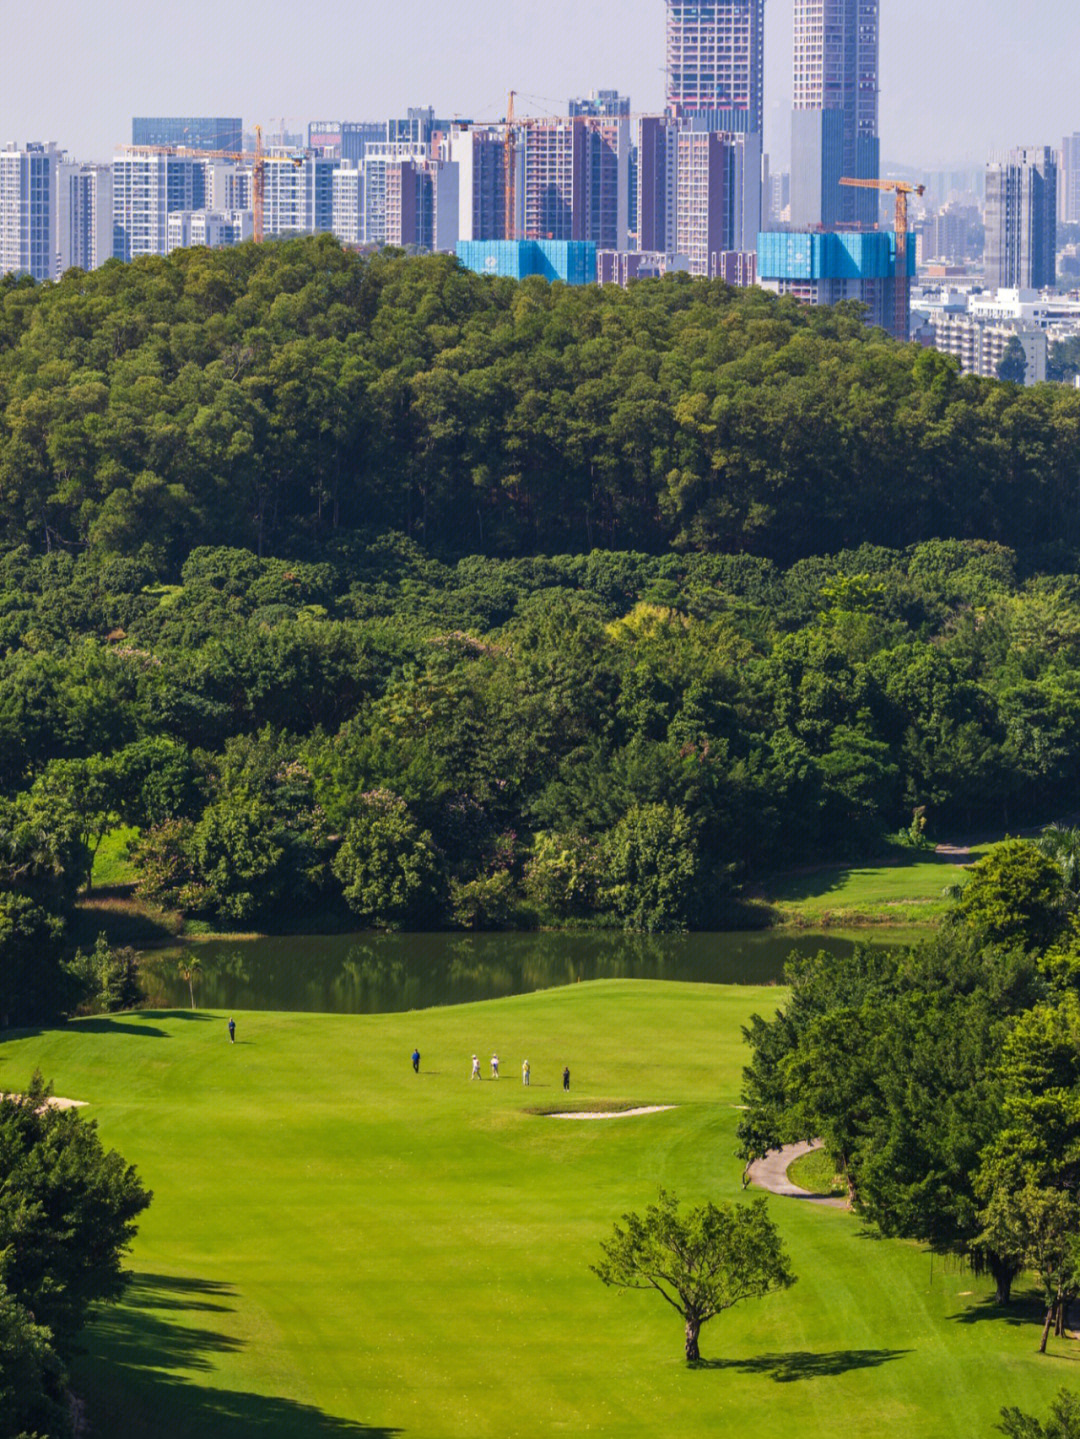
{"points": [[1021, 219], [28, 210], [834, 130], [715, 61]]}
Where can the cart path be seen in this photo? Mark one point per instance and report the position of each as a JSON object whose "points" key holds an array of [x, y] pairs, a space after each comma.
{"points": [[771, 1173]]}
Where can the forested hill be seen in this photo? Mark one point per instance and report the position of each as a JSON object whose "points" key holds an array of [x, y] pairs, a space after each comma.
{"points": [[265, 397]]}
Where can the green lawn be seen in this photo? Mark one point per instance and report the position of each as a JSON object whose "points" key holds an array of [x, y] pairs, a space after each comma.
{"points": [[339, 1247], [112, 866], [904, 890], [816, 1173]]}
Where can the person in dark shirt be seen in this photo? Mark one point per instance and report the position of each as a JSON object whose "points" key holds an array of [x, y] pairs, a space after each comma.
{"points": [[232, 1031], [566, 1077], [416, 1061]]}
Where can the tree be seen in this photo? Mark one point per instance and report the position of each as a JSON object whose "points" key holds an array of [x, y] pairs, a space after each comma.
{"points": [[33, 984], [1063, 1421], [67, 1212], [387, 865], [237, 854], [1061, 843], [1013, 364], [701, 1262], [651, 866], [111, 976], [190, 970], [32, 1378], [1039, 1229], [1014, 896]]}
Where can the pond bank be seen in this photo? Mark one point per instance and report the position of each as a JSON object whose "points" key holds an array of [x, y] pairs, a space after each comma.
{"points": [[375, 973]]}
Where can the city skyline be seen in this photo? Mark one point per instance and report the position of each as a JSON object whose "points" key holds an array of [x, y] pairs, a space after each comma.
{"points": [[951, 89]]}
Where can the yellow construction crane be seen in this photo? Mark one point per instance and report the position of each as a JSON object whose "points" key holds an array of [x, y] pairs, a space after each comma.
{"points": [[902, 190], [259, 162], [509, 156]]}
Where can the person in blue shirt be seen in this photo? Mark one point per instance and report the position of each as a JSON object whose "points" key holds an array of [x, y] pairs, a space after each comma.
{"points": [[232, 1031], [416, 1061]]}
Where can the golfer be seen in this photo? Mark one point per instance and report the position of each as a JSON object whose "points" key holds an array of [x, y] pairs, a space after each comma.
{"points": [[494, 1066], [232, 1031], [475, 1069], [416, 1061], [525, 1072], [566, 1077]]}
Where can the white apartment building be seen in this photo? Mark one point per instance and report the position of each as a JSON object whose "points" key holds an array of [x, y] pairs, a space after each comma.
{"points": [[227, 185], [378, 158], [980, 345], [347, 188], [29, 217], [215, 229], [147, 188], [299, 198], [1029, 307], [85, 216]]}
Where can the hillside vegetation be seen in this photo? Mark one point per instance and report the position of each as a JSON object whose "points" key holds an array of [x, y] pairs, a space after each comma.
{"points": [[383, 740], [515, 610], [261, 396]]}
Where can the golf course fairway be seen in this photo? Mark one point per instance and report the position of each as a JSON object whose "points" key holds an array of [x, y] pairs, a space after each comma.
{"points": [[339, 1246]]}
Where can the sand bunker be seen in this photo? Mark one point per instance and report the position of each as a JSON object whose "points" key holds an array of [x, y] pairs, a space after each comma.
{"points": [[615, 1113], [54, 1101]]}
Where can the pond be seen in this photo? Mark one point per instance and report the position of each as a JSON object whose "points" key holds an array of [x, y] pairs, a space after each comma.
{"points": [[379, 973]]}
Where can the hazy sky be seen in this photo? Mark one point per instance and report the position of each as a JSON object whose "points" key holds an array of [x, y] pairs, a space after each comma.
{"points": [[958, 77]]}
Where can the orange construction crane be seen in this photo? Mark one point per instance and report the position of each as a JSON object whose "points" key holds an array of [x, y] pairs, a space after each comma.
{"points": [[902, 190], [259, 162], [509, 159]]}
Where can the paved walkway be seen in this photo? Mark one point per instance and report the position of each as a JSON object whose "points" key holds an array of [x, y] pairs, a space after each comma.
{"points": [[771, 1173]]}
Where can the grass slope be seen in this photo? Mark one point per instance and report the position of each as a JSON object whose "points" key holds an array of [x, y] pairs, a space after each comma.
{"points": [[904, 890], [339, 1247], [816, 1173]]}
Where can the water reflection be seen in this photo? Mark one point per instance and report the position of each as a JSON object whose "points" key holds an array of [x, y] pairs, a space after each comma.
{"points": [[380, 973]]}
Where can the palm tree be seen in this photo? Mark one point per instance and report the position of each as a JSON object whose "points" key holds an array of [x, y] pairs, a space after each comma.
{"points": [[1062, 844], [190, 967]]}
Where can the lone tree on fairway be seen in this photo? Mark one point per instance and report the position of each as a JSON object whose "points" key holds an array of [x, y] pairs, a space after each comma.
{"points": [[702, 1262]]}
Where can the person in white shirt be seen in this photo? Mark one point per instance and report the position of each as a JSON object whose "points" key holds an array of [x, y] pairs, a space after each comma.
{"points": [[525, 1072], [494, 1066], [475, 1068]]}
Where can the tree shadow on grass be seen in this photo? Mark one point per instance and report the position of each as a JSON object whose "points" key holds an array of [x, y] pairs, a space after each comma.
{"points": [[1026, 1309], [146, 1365], [116, 1024], [800, 1364]]}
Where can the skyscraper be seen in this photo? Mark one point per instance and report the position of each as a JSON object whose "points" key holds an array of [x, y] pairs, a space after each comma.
{"points": [[1069, 181], [1021, 219], [834, 128], [574, 180], [299, 199], [147, 188], [657, 141], [718, 196], [28, 210], [715, 61], [480, 155], [85, 210]]}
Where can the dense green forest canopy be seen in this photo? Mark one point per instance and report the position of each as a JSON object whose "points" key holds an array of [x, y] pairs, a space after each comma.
{"points": [[267, 397], [611, 738]]}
